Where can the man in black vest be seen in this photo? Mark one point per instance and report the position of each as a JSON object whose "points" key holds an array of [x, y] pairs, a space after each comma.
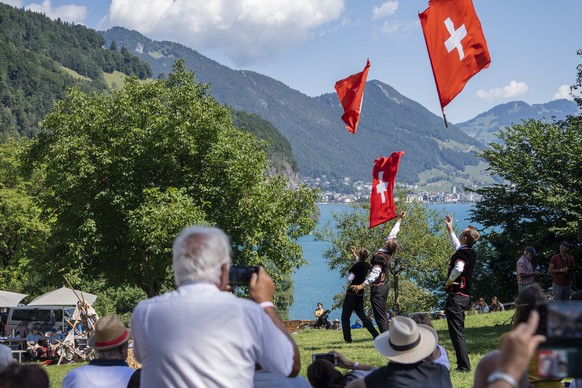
{"points": [[458, 288], [354, 299]]}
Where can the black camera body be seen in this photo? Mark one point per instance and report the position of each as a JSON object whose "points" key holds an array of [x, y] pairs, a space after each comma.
{"points": [[241, 275], [561, 323], [325, 356]]}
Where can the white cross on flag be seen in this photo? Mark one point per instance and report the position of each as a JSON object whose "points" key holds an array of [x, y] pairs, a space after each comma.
{"points": [[382, 207], [456, 45]]}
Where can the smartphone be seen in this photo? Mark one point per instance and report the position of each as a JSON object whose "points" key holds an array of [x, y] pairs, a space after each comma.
{"points": [[561, 323], [325, 356], [241, 275]]}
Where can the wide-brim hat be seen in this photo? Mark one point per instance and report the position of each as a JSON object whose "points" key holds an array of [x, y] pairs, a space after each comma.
{"points": [[406, 342], [109, 333]]}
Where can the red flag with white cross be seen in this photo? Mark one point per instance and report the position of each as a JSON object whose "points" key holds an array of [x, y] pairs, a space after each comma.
{"points": [[382, 207], [351, 93], [456, 45]]}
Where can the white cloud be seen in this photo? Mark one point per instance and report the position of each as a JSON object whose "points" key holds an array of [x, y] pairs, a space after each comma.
{"points": [[386, 9], [69, 12], [245, 30], [563, 92], [389, 27], [514, 89]]}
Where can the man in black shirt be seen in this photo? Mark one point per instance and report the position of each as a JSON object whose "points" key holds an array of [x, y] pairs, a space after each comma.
{"points": [[354, 299]]}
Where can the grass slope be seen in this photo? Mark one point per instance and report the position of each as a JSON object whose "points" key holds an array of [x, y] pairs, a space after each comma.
{"points": [[482, 333]]}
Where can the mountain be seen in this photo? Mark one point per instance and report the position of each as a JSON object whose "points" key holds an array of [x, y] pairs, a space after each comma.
{"points": [[320, 143], [40, 58], [485, 126]]}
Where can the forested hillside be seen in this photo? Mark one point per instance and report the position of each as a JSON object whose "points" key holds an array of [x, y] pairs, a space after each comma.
{"points": [[40, 58]]}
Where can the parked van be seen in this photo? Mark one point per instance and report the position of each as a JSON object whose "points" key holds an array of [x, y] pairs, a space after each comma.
{"points": [[21, 320]]}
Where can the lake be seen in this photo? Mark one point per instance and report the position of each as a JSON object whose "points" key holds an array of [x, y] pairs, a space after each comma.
{"points": [[315, 282]]}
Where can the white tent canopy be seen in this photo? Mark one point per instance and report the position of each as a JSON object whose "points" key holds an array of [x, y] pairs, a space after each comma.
{"points": [[63, 297], [10, 299]]}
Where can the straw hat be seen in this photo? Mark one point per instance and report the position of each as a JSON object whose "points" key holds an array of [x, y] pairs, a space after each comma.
{"points": [[109, 333], [406, 342]]}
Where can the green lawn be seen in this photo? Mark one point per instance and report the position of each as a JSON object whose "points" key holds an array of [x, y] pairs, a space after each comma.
{"points": [[482, 332]]}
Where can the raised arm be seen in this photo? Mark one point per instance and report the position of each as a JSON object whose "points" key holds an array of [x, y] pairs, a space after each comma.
{"points": [[396, 227], [262, 290], [455, 243]]}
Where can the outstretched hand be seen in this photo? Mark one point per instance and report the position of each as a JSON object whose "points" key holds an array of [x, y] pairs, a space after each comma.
{"points": [[358, 287]]}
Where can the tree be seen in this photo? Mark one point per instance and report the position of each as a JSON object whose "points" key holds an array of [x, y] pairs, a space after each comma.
{"points": [[539, 204], [420, 265], [125, 172]]}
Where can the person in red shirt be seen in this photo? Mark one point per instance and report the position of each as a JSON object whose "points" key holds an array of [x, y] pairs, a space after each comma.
{"points": [[562, 270]]}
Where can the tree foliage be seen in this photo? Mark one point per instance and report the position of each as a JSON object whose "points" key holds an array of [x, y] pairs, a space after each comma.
{"points": [[539, 204], [123, 173], [421, 261]]}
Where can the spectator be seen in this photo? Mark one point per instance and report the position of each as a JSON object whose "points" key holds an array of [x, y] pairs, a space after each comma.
{"points": [[505, 368], [440, 355], [109, 369], [562, 267], [319, 310], [407, 346], [482, 307], [17, 375], [524, 269], [200, 335], [322, 373], [5, 356], [496, 305], [336, 325], [357, 325]]}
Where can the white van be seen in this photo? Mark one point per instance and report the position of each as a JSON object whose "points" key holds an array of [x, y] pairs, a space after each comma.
{"points": [[22, 320]]}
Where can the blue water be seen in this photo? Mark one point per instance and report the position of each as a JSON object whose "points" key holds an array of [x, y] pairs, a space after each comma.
{"points": [[316, 283]]}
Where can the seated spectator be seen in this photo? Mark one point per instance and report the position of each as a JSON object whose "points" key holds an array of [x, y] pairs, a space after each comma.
{"points": [[109, 369], [440, 355], [496, 305], [5, 356], [54, 345], [34, 336], [226, 335], [322, 322], [407, 346], [357, 325], [509, 366], [482, 307], [323, 374], [440, 315], [319, 310], [37, 351], [336, 324], [18, 375]]}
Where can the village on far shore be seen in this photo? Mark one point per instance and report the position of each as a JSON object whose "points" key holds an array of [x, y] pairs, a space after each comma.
{"points": [[345, 190]]}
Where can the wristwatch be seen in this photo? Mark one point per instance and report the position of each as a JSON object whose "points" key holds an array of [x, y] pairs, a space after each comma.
{"points": [[502, 376]]}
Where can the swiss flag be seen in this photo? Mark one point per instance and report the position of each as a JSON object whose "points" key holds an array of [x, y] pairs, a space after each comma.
{"points": [[456, 45], [351, 92], [382, 207]]}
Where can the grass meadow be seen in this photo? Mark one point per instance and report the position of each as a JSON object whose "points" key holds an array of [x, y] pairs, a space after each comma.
{"points": [[482, 333]]}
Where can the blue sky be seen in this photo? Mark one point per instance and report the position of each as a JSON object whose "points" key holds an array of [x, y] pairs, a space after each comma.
{"points": [[310, 44]]}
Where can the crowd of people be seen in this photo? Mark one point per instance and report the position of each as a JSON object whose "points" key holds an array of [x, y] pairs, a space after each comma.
{"points": [[198, 335]]}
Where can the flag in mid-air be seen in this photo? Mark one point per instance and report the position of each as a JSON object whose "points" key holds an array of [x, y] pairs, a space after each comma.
{"points": [[456, 45], [382, 207], [351, 92]]}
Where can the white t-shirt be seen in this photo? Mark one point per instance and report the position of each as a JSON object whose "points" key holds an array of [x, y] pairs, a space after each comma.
{"points": [[199, 336], [93, 376]]}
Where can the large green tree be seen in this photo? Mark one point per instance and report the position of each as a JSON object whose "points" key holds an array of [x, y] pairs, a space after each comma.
{"points": [[420, 265], [539, 204], [123, 173]]}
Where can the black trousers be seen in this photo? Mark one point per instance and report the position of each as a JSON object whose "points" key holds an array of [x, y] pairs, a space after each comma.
{"points": [[355, 303], [378, 296], [455, 311]]}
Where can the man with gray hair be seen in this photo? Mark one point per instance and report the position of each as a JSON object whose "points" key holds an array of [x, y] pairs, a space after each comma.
{"points": [[201, 335]]}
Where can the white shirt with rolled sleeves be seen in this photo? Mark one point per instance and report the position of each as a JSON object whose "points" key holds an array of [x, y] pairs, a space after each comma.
{"points": [[199, 336]]}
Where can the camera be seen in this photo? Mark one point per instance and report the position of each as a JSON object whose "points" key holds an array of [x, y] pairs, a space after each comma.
{"points": [[561, 323], [325, 356], [240, 275]]}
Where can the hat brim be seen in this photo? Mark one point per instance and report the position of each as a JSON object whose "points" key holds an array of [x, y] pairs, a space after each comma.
{"points": [[427, 345], [91, 342]]}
